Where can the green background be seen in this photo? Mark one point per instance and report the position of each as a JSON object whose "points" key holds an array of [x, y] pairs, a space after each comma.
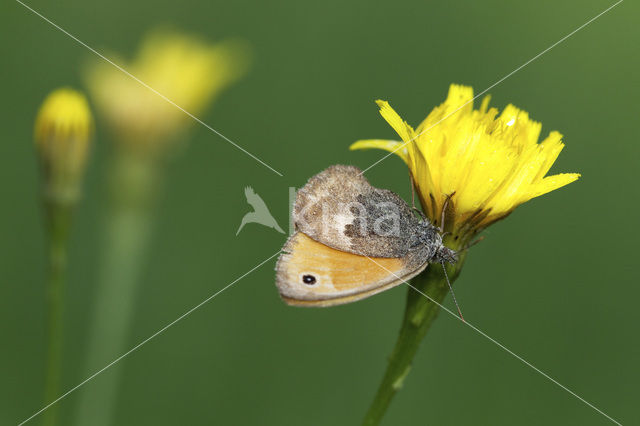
{"points": [[557, 282]]}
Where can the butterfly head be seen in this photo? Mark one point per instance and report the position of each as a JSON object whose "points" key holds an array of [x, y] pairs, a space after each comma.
{"points": [[430, 238], [445, 254]]}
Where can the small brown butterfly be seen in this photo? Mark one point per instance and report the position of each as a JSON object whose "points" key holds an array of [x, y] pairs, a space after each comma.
{"points": [[352, 241]]}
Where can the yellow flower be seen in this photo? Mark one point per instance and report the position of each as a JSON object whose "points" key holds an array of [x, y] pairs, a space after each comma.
{"points": [[488, 163], [62, 131], [182, 68]]}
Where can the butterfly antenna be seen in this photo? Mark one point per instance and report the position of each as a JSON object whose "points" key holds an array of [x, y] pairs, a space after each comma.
{"points": [[452, 293]]}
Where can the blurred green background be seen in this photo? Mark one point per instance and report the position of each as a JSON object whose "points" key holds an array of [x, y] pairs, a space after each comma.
{"points": [[556, 282]]}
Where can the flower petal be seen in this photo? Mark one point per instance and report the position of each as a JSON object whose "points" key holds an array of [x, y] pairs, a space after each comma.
{"points": [[399, 125], [394, 147], [551, 183]]}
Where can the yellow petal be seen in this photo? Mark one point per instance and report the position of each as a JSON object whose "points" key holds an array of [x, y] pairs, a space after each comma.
{"points": [[459, 103], [399, 125], [551, 183], [485, 104], [460, 97], [394, 147], [422, 178]]}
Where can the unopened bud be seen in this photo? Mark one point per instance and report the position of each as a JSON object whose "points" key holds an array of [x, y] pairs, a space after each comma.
{"points": [[62, 132]]}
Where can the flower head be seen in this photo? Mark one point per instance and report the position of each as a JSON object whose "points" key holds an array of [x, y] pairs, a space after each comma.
{"points": [[62, 132], [487, 163], [180, 68]]}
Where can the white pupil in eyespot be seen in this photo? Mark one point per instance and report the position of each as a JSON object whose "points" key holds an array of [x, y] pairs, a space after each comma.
{"points": [[308, 279]]}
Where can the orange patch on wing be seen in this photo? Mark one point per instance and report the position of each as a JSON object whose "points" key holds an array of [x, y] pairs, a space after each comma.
{"points": [[345, 270]]}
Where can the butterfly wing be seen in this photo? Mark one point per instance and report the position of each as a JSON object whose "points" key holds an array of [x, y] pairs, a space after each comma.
{"points": [[310, 273], [339, 208]]}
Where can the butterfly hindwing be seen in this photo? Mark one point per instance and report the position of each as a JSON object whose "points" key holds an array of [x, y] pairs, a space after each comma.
{"points": [[310, 273]]}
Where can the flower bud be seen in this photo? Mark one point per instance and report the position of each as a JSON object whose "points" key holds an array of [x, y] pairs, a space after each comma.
{"points": [[62, 132]]}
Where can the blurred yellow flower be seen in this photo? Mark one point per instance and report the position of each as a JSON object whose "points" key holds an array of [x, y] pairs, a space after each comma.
{"points": [[182, 68], [62, 132], [489, 163]]}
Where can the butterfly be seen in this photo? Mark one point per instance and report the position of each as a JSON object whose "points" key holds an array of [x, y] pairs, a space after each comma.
{"points": [[352, 241]]}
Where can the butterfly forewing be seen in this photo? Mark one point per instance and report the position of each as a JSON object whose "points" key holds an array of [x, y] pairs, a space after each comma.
{"points": [[339, 208]]}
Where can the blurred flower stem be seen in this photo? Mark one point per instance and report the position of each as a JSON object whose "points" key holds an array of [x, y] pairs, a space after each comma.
{"points": [[133, 185], [419, 314], [58, 223], [146, 129], [62, 132]]}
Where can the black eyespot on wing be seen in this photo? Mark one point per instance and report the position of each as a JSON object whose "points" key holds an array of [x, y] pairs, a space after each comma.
{"points": [[308, 279]]}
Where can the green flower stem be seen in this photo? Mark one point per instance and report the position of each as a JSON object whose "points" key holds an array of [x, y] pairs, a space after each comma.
{"points": [[58, 221], [128, 225], [418, 317]]}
